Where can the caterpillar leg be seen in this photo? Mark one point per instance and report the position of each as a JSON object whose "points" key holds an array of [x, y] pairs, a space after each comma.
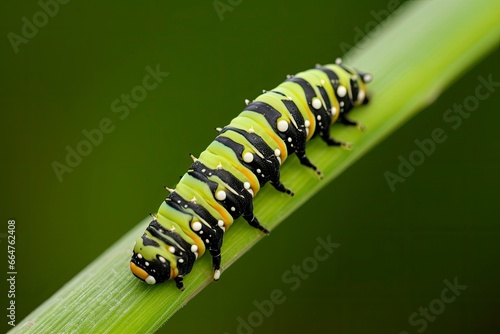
{"points": [[178, 283], [304, 160], [281, 187], [216, 259], [332, 142], [252, 221], [349, 122]]}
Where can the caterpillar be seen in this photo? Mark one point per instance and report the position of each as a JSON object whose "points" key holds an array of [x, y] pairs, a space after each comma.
{"points": [[222, 182]]}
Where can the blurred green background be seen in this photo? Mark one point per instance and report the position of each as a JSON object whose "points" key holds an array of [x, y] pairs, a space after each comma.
{"points": [[396, 249]]}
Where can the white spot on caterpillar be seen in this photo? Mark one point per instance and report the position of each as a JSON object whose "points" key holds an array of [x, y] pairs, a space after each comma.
{"points": [[279, 159], [251, 130], [338, 61], [277, 152], [162, 259], [307, 123], [194, 248], [203, 170], [219, 166], [171, 249], [341, 103], [220, 223], [341, 91], [367, 78], [196, 225], [361, 96], [146, 263], [220, 195], [207, 241], [318, 117], [246, 185], [233, 208], [181, 260], [150, 280], [334, 111], [316, 103], [216, 275], [247, 101], [248, 157], [193, 199], [282, 125], [251, 192], [258, 171], [289, 139]]}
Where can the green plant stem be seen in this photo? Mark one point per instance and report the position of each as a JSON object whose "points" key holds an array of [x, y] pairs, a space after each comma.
{"points": [[413, 57]]}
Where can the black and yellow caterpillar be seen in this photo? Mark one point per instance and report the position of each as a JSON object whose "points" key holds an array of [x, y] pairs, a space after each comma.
{"points": [[220, 184]]}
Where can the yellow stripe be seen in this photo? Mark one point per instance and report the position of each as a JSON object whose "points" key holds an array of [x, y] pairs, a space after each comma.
{"points": [[139, 272]]}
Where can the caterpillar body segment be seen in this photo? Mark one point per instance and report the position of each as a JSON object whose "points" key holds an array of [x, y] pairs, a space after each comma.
{"points": [[220, 185]]}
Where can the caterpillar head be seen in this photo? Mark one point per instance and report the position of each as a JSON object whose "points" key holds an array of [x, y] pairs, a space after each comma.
{"points": [[161, 254], [149, 261], [363, 79], [358, 83]]}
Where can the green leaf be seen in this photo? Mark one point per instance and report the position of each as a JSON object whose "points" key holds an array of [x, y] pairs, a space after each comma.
{"points": [[413, 58]]}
